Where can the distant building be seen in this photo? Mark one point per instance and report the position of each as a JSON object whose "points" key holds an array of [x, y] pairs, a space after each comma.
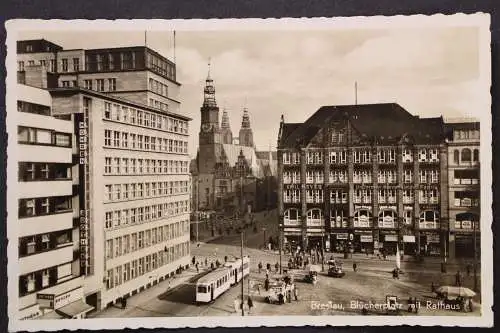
{"points": [[229, 176], [130, 159], [364, 178], [464, 187]]}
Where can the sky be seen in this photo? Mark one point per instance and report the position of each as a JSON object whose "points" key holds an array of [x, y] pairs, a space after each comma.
{"points": [[429, 71]]}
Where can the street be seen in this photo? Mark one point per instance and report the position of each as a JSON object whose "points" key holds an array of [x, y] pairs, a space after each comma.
{"points": [[372, 282]]}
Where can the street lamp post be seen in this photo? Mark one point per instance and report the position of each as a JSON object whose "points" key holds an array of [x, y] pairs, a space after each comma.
{"points": [[242, 276], [475, 253], [322, 252]]}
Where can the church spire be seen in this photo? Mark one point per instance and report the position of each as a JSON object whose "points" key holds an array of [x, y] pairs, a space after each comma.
{"points": [[225, 120], [245, 122], [209, 91]]}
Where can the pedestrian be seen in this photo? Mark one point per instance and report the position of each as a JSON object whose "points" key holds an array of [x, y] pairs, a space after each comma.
{"points": [[212, 265], [206, 262], [276, 266], [458, 279], [354, 266], [281, 299], [217, 263], [471, 307], [197, 268], [268, 266], [250, 305], [258, 288], [295, 292], [225, 258], [266, 284], [193, 260], [468, 269], [260, 266]]}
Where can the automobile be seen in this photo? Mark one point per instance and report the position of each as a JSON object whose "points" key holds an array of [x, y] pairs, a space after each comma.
{"points": [[335, 269], [277, 292]]}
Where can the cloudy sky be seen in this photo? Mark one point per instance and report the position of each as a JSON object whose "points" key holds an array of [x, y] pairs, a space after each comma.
{"points": [[430, 72]]}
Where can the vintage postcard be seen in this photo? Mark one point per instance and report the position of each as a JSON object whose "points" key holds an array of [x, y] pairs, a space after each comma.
{"points": [[254, 172]]}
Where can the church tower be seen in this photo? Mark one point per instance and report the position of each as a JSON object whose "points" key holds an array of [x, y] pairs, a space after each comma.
{"points": [[226, 133], [210, 135], [246, 134]]}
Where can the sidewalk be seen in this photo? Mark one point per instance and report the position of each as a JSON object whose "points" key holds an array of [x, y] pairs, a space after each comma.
{"points": [[170, 284]]}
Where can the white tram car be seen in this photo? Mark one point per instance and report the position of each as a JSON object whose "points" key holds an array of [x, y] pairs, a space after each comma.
{"points": [[215, 283]]}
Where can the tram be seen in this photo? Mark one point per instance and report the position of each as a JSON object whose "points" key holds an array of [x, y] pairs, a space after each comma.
{"points": [[215, 283]]}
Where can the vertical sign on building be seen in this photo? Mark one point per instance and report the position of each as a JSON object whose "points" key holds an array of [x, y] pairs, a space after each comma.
{"points": [[84, 213]]}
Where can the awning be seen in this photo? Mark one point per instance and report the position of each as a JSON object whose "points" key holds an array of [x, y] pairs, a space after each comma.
{"points": [[75, 309], [51, 315]]}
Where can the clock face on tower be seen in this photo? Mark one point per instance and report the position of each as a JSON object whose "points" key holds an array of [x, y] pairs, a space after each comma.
{"points": [[206, 127]]}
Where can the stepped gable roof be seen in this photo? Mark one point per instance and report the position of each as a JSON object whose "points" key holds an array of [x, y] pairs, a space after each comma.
{"points": [[232, 152], [383, 123]]}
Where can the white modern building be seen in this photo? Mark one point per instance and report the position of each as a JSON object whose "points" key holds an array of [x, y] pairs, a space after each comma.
{"points": [[130, 161], [49, 283]]}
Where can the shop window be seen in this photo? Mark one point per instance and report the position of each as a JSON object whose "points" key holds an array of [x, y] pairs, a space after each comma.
{"points": [[387, 218], [362, 218]]}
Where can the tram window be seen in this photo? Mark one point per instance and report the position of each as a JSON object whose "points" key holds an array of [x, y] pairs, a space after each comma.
{"points": [[202, 289]]}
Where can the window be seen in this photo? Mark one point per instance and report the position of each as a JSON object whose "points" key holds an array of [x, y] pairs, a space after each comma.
{"points": [[112, 84], [456, 156], [64, 65], [107, 110], [362, 218], [107, 138], [20, 66], [408, 176], [429, 219], [422, 155], [476, 155], [407, 156], [52, 65], [76, 64], [87, 84], [466, 155], [116, 139], [387, 218], [100, 84]]}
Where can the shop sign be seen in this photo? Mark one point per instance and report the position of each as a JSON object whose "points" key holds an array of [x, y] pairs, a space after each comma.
{"points": [[391, 238], [45, 301], [84, 239], [366, 238], [458, 225], [82, 142], [466, 224], [67, 298], [432, 238], [341, 236], [408, 239]]}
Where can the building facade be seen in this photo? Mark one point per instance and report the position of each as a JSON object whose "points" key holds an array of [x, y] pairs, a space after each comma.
{"points": [[464, 188], [230, 176], [50, 283], [364, 178], [131, 194]]}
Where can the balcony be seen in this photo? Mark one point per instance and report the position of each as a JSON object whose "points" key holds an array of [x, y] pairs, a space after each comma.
{"points": [[72, 284], [465, 181], [37, 189], [291, 223], [41, 121], [43, 154], [45, 224], [46, 259]]}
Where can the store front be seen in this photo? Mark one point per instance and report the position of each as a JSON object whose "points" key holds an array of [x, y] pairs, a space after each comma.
{"points": [[430, 243], [389, 242], [339, 241], [409, 245], [464, 245], [363, 241], [292, 241]]}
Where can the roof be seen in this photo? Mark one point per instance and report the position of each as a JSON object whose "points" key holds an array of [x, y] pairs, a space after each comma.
{"points": [[217, 273], [193, 166], [233, 151], [264, 155], [383, 123]]}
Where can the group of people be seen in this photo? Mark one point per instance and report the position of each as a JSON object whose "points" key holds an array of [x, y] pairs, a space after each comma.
{"points": [[268, 268]]}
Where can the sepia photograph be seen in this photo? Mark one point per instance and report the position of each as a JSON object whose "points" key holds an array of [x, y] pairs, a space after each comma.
{"points": [[283, 172]]}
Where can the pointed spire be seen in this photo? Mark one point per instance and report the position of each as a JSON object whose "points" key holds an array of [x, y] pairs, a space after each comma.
{"points": [[225, 119], [245, 122], [209, 91]]}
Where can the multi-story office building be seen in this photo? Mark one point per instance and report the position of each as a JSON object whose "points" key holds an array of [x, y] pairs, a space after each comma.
{"points": [[364, 178], [131, 161], [464, 187], [50, 283]]}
